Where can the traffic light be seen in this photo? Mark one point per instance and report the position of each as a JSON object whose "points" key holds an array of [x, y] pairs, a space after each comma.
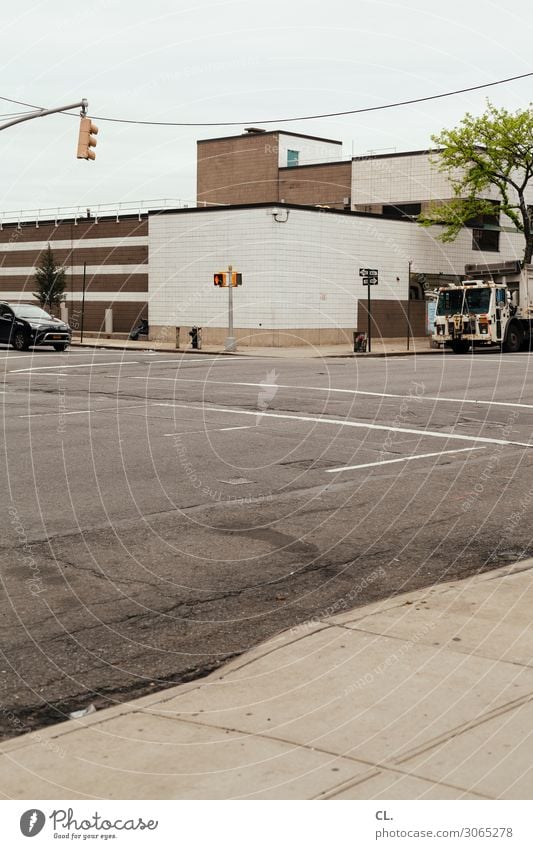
{"points": [[219, 279], [86, 139], [236, 278]]}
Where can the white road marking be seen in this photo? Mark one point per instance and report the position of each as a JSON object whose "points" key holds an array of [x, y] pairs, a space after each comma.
{"points": [[81, 412], [38, 352], [16, 357], [420, 397], [208, 430], [348, 423], [77, 365], [402, 459]]}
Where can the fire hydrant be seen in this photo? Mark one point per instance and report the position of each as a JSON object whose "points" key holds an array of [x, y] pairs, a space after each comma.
{"points": [[196, 337]]}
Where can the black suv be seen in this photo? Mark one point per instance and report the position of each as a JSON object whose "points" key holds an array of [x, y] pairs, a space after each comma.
{"points": [[25, 325]]}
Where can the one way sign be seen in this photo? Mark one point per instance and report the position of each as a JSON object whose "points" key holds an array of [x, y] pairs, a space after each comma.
{"points": [[368, 272]]}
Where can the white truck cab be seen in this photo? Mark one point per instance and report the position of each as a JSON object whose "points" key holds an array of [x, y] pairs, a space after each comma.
{"points": [[492, 311]]}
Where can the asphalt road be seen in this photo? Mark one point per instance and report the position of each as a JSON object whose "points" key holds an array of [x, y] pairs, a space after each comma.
{"points": [[164, 512]]}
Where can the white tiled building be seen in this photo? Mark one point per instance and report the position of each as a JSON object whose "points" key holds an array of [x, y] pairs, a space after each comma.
{"points": [[300, 269]]}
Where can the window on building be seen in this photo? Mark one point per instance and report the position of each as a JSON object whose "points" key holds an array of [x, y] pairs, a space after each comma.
{"points": [[485, 240], [486, 230], [292, 157], [401, 210]]}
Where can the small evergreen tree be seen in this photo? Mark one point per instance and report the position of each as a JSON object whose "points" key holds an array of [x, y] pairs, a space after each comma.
{"points": [[51, 281]]}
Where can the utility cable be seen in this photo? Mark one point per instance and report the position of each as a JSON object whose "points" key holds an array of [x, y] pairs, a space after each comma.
{"points": [[295, 118]]}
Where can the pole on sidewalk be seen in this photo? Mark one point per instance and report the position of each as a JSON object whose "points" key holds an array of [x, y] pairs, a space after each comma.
{"points": [[230, 340], [83, 300], [369, 318], [409, 303]]}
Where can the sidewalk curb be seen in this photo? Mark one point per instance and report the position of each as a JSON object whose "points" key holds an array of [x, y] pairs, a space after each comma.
{"points": [[285, 637], [195, 351]]}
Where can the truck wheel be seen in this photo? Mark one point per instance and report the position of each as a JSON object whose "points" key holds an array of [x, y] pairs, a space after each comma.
{"points": [[513, 340], [460, 347]]}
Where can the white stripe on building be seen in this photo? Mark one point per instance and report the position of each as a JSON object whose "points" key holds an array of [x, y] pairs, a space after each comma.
{"points": [[130, 297], [75, 244], [29, 271]]}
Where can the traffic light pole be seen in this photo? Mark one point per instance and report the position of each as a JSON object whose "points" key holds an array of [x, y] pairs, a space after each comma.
{"points": [[40, 113], [83, 301], [409, 303], [231, 342]]}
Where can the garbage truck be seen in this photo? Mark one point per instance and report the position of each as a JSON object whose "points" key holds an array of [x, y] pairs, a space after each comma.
{"points": [[491, 307]]}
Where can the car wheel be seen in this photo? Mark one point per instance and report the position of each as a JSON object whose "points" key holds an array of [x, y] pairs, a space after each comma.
{"points": [[62, 346], [20, 341]]}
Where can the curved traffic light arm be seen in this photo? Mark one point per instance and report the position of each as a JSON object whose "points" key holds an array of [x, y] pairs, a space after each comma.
{"points": [[40, 113]]}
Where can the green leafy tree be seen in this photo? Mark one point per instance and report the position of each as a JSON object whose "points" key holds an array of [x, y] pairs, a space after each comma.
{"points": [[51, 281], [493, 150]]}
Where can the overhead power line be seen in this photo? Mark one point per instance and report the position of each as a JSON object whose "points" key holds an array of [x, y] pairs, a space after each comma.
{"points": [[296, 117]]}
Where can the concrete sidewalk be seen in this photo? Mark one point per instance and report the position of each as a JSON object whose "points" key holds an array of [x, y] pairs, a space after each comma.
{"points": [[428, 695], [380, 348]]}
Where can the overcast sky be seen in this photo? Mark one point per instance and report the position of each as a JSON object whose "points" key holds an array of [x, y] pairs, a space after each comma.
{"points": [[236, 60]]}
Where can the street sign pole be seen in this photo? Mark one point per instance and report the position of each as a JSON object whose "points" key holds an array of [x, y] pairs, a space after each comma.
{"points": [[370, 278], [409, 303], [230, 341], [369, 321]]}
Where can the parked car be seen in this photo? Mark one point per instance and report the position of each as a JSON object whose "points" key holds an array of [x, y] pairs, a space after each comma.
{"points": [[25, 325]]}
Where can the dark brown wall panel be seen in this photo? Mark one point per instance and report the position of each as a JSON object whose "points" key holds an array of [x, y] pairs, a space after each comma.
{"points": [[96, 283], [125, 315], [327, 184], [108, 228], [136, 255], [389, 318]]}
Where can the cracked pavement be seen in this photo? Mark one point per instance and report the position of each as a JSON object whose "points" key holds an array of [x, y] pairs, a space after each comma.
{"points": [[134, 556]]}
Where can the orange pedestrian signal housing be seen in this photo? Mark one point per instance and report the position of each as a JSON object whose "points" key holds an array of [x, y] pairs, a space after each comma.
{"points": [[219, 279], [236, 278], [86, 139]]}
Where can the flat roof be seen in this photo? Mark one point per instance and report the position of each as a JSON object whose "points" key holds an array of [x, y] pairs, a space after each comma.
{"points": [[73, 219], [195, 210], [279, 205], [270, 133], [395, 155]]}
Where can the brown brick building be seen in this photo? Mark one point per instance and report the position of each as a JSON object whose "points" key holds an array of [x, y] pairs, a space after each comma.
{"points": [[272, 166], [114, 251]]}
